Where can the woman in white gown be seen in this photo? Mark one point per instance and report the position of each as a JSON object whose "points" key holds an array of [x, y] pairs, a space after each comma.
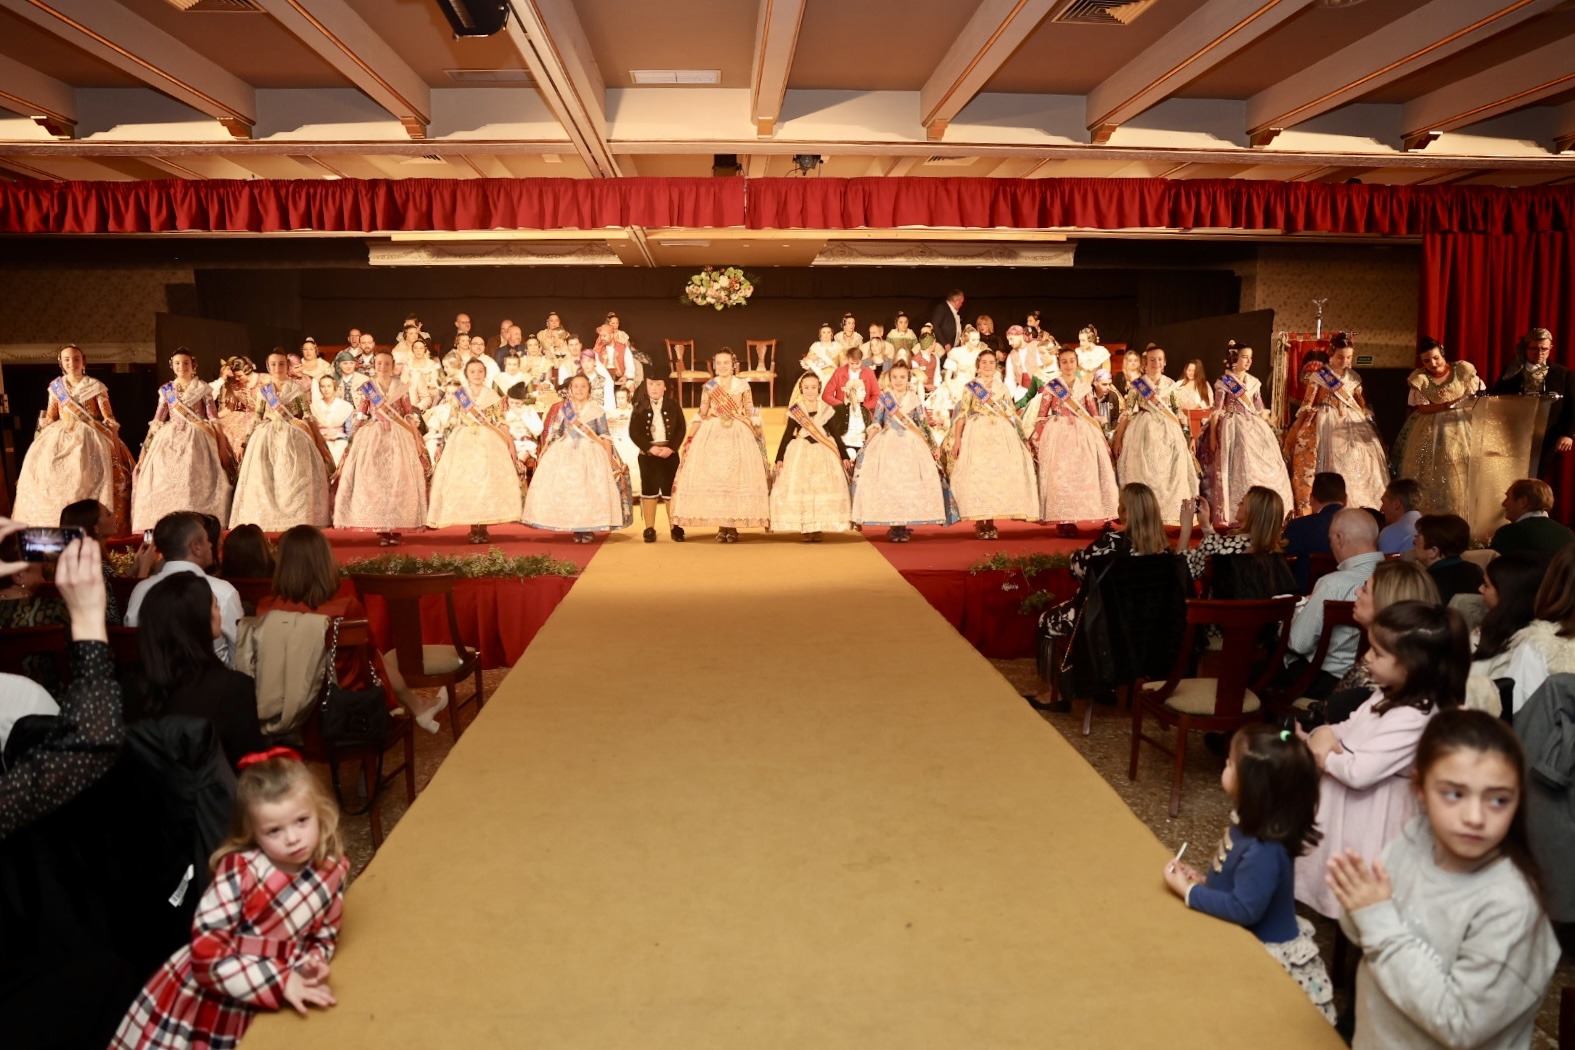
{"points": [[477, 479], [897, 482], [423, 377], [1076, 479], [284, 475], [1151, 442], [1346, 441], [618, 427], [77, 453], [823, 355], [1242, 449], [183, 465], [992, 471], [334, 416], [383, 481], [810, 492], [581, 486], [722, 468]]}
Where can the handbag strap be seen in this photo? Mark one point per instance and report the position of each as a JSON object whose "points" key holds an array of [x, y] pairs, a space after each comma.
{"points": [[329, 678]]}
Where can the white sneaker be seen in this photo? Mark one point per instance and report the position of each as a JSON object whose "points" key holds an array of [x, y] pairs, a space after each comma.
{"points": [[428, 719]]}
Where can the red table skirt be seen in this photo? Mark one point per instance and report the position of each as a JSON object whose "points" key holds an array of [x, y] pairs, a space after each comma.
{"points": [[499, 617], [982, 612]]}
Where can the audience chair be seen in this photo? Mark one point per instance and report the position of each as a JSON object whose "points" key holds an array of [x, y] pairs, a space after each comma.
{"points": [[426, 666], [1335, 614], [121, 587], [251, 591], [686, 370], [760, 366], [354, 634], [1223, 704], [1318, 565], [47, 642]]}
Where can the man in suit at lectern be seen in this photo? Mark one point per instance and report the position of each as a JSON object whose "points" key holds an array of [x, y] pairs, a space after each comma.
{"points": [[1533, 373], [947, 319]]}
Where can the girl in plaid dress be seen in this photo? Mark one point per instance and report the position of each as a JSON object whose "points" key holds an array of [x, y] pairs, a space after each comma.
{"points": [[266, 927]]}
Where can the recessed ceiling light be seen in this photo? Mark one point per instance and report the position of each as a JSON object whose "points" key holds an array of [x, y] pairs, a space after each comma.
{"points": [[675, 76]]}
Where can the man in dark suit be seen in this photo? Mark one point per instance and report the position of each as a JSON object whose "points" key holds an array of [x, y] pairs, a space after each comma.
{"points": [[1526, 505], [947, 319], [1533, 373], [1310, 534]]}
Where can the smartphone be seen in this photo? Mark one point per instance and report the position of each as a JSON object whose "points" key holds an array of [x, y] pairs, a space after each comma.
{"points": [[42, 544], [147, 537]]}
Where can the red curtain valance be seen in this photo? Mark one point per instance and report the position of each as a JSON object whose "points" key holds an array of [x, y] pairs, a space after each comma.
{"points": [[266, 206], [269, 206], [1107, 204]]}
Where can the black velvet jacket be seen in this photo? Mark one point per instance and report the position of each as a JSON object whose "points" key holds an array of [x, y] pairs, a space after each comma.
{"points": [[640, 423]]}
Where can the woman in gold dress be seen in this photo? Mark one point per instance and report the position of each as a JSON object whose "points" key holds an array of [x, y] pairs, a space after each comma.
{"points": [[1434, 446]]}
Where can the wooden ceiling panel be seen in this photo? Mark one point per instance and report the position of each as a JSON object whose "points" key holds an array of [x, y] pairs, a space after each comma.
{"points": [[875, 45], [1070, 59], [417, 30], [698, 34], [250, 45], [30, 45], [1506, 47]]}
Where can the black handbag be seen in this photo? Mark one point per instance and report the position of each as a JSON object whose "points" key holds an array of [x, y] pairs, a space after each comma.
{"points": [[353, 718]]}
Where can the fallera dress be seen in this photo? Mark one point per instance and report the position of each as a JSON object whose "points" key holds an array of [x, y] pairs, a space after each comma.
{"points": [[475, 481], [1242, 450], [383, 482], [1154, 449], [283, 479], [897, 481], [991, 470], [1077, 481], [1434, 448], [811, 492], [181, 466], [77, 455], [722, 468], [580, 484]]}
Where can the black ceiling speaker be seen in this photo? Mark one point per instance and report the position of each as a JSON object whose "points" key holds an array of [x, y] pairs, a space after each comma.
{"points": [[475, 17]]}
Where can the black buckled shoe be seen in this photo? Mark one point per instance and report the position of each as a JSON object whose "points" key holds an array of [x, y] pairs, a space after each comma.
{"points": [[649, 535], [677, 533]]}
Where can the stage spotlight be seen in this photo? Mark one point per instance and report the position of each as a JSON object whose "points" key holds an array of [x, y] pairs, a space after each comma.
{"points": [[807, 162], [475, 17]]}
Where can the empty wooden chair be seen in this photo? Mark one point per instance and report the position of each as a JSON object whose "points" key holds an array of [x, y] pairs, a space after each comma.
{"points": [[760, 366], [686, 369], [426, 666]]}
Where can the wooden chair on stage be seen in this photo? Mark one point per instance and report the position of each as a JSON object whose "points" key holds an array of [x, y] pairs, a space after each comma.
{"points": [[1282, 701], [355, 634], [760, 366], [1222, 704], [686, 369], [426, 666]]}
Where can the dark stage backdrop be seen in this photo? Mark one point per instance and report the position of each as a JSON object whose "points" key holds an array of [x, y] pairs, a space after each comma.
{"points": [[788, 305]]}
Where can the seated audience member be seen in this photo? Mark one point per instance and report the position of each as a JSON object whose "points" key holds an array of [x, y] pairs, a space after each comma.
{"points": [[1310, 534], [1392, 581], [183, 675], [1353, 540], [1526, 505], [21, 604], [1262, 516], [73, 999], [215, 529], [1547, 644], [1397, 507], [247, 554], [306, 579], [1440, 541], [96, 522], [20, 697], [182, 541], [1509, 594]]}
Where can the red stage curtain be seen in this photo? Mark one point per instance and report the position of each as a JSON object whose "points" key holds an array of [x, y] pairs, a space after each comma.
{"points": [[478, 204], [268, 206], [1482, 291]]}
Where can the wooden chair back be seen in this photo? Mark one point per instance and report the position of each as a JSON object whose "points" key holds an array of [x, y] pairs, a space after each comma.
{"points": [[760, 365], [18, 643], [1318, 566], [1241, 663], [251, 591], [681, 355], [1335, 616]]}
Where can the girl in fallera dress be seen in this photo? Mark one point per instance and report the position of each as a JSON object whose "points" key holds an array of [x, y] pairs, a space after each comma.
{"points": [[1023, 362], [513, 372], [313, 366], [236, 397], [902, 338], [1092, 356], [810, 492], [847, 336], [1241, 449], [1076, 479], [383, 481], [334, 416], [897, 482], [618, 429], [183, 465], [580, 485], [1151, 441], [722, 468], [1193, 392], [823, 356], [553, 337], [266, 926], [78, 453], [1334, 432], [1434, 445], [284, 476], [991, 469], [878, 354], [422, 377], [477, 479]]}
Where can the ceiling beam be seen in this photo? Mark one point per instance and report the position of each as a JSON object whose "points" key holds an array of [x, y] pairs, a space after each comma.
{"points": [[776, 38], [1207, 37], [549, 37], [1564, 128], [353, 48], [1522, 81], [48, 102], [1408, 44], [996, 29], [135, 46]]}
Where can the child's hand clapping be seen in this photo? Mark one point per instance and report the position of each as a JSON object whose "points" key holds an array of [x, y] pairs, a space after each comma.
{"points": [[1355, 885], [301, 993]]}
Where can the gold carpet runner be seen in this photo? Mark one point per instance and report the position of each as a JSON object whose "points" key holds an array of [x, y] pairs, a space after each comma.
{"points": [[763, 796]]}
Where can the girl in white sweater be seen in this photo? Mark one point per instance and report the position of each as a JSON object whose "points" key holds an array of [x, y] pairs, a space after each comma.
{"points": [[1456, 949]]}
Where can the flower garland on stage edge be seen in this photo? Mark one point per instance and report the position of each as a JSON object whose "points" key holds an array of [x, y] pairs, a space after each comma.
{"points": [[719, 288], [1020, 570], [494, 564]]}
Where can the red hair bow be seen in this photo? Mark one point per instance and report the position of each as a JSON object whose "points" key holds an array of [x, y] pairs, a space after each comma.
{"points": [[264, 756]]}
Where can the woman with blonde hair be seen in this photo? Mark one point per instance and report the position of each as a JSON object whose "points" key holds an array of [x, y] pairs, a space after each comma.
{"points": [[1262, 530]]}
